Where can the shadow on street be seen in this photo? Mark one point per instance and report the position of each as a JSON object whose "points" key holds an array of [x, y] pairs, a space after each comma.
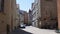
{"points": [[19, 31]]}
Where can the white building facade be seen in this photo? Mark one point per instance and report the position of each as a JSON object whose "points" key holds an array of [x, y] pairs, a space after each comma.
{"points": [[36, 12]]}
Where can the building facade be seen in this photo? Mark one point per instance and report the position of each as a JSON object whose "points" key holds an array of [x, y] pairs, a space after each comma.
{"points": [[34, 15], [17, 16], [2, 19], [44, 13], [7, 13], [48, 13], [36, 12], [30, 17], [25, 17], [11, 14], [21, 16], [58, 14]]}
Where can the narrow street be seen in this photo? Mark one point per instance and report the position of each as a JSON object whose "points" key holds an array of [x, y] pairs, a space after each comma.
{"points": [[33, 30], [29, 16]]}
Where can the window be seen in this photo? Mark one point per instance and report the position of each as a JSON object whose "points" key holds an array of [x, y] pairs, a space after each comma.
{"points": [[1, 5]]}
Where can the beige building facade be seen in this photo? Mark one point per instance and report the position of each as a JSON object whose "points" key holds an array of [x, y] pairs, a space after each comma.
{"points": [[45, 13], [58, 12], [7, 19], [48, 13], [17, 16]]}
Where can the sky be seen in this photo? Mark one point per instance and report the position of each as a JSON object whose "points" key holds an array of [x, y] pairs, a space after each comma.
{"points": [[24, 4]]}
